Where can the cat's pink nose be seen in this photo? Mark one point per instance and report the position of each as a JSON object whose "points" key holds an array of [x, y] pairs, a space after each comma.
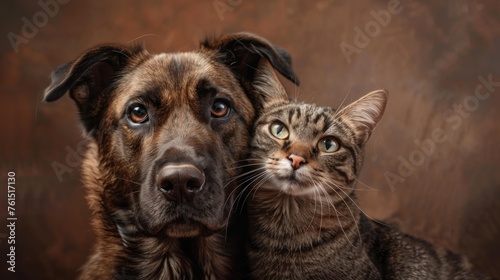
{"points": [[296, 160]]}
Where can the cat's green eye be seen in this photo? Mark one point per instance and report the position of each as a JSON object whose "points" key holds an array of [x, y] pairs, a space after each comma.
{"points": [[278, 130], [328, 145]]}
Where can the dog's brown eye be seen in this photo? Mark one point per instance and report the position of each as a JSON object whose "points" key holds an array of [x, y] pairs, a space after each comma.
{"points": [[220, 109], [137, 113]]}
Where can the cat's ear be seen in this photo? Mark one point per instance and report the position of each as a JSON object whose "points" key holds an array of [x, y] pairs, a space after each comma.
{"points": [[267, 85], [364, 114]]}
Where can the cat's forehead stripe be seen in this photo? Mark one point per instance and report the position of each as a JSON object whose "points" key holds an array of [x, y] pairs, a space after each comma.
{"points": [[291, 113], [299, 114], [318, 116], [327, 124]]}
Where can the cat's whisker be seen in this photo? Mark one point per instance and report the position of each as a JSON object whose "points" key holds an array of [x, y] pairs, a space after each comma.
{"points": [[244, 165], [240, 184], [354, 202], [258, 171], [338, 219], [244, 175], [366, 185], [235, 204], [246, 159], [252, 179], [320, 189], [315, 206], [240, 194], [350, 211], [342, 103], [320, 175], [329, 201], [237, 187], [296, 92], [251, 185], [262, 179], [316, 191]]}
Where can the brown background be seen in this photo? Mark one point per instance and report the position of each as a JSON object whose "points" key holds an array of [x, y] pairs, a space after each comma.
{"points": [[429, 57]]}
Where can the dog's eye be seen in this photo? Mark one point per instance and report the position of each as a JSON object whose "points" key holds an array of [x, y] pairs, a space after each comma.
{"points": [[220, 108], [278, 130], [137, 113]]}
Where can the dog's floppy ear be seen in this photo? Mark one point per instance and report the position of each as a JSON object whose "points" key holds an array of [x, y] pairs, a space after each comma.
{"points": [[244, 52], [88, 77]]}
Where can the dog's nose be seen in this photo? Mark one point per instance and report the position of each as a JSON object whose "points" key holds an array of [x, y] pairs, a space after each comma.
{"points": [[180, 182]]}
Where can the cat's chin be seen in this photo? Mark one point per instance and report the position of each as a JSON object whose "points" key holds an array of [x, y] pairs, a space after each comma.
{"points": [[301, 191], [291, 187]]}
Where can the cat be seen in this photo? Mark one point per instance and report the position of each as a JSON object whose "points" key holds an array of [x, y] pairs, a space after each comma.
{"points": [[303, 220]]}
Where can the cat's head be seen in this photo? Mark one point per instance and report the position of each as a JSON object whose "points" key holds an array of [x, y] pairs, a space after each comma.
{"points": [[298, 147]]}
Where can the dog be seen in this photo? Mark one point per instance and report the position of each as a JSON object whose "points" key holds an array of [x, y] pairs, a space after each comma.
{"points": [[166, 133]]}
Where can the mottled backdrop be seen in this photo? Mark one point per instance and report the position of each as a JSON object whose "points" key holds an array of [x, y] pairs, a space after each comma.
{"points": [[432, 165]]}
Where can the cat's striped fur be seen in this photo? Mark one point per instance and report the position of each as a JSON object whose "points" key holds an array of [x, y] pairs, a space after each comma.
{"points": [[303, 219]]}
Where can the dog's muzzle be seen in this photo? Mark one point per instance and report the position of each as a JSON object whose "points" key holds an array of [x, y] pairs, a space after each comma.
{"points": [[180, 182]]}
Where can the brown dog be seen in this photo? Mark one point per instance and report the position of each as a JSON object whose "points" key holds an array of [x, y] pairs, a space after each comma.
{"points": [[166, 132]]}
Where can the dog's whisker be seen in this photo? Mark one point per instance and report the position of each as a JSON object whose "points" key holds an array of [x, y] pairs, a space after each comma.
{"points": [[127, 180]]}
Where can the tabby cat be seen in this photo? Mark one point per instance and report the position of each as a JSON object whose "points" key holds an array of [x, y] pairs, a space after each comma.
{"points": [[303, 219]]}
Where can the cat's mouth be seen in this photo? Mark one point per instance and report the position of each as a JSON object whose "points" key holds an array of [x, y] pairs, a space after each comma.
{"points": [[294, 184], [291, 176], [291, 181]]}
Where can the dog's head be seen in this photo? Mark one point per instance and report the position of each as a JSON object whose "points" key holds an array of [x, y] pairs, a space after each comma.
{"points": [[168, 130]]}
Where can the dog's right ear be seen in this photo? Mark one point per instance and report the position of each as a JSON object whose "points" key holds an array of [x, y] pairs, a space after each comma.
{"points": [[243, 52], [88, 78], [252, 59]]}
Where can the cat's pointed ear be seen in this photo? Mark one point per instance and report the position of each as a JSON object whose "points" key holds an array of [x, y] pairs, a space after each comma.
{"points": [[364, 114], [268, 87]]}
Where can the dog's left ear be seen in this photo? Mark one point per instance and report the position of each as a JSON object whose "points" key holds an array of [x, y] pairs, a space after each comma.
{"points": [[245, 53], [88, 77]]}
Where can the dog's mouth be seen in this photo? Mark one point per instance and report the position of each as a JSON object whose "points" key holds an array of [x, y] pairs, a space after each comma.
{"points": [[185, 224], [184, 227]]}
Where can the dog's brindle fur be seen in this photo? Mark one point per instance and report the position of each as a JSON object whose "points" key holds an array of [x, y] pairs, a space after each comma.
{"points": [[141, 231]]}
